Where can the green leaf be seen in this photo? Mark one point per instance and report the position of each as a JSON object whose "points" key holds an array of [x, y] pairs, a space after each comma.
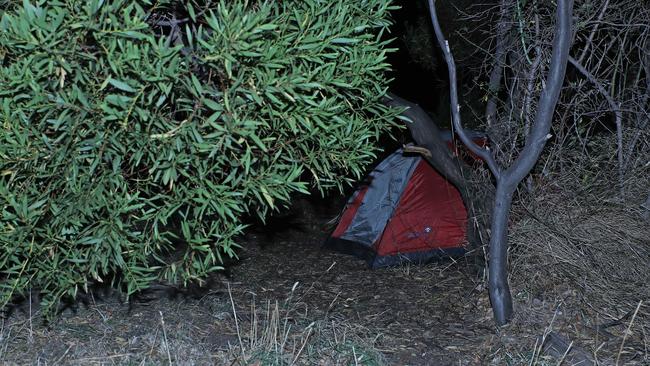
{"points": [[344, 40], [197, 85], [190, 10], [132, 34], [121, 85], [267, 196], [258, 142], [213, 105]]}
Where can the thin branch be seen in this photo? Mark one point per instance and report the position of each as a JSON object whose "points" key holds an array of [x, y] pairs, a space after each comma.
{"points": [[532, 76], [499, 59], [614, 107], [593, 32], [546, 106], [483, 153]]}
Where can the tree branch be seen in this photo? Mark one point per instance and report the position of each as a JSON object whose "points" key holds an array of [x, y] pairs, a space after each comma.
{"points": [[427, 135], [546, 107], [590, 40], [483, 153], [615, 108], [499, 59]]}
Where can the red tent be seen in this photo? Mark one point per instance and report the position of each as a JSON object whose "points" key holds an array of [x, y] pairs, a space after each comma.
{"points": [[407, 212]]}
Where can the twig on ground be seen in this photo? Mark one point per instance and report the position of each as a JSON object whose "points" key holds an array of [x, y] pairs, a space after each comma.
{"points": [[234, 313], [303, 344], [162, 320], [627, 332]]}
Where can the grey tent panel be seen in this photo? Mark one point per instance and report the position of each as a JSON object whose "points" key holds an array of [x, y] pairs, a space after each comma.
{"points": [[387, 182]]}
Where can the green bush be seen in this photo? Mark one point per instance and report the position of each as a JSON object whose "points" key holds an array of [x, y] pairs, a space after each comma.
{"points": [[124, 134]]}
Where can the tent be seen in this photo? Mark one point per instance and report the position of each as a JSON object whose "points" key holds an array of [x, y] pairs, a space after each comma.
{"points": [[407, 212]]}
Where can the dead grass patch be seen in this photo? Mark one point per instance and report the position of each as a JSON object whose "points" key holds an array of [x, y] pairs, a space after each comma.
{"points": [[581, 251]]}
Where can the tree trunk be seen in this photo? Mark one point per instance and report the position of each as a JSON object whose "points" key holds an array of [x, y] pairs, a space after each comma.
{"points": [[509, 179], [497, 272]]}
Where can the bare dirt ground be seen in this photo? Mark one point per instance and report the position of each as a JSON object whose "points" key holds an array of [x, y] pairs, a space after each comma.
{"points": [[289, 302]]}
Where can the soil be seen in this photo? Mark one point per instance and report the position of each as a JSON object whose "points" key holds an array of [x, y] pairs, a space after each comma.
{"points": [[287, 301]]}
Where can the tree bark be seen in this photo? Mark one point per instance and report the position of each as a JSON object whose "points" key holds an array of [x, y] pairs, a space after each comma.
{"points": [[498, 261]]}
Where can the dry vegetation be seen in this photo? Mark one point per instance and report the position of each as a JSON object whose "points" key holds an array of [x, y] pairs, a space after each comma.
{"points": [[582, 246]]}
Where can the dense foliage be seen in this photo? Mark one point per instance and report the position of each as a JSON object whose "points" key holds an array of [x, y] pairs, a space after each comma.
{"points": [[134, 130]]}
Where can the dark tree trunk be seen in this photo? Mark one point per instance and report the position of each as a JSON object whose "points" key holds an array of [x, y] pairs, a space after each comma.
{"points": [[498, 263]]}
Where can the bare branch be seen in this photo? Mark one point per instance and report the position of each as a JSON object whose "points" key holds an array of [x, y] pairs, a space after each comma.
{"points": [[483, 153], [593, 33], [499, 59], [615, 107], [546, 107]]}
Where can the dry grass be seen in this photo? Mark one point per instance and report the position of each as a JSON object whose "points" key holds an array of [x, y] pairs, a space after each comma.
{"points": [[578, 229], [580, 243], [283, 333], [213, 330]]}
